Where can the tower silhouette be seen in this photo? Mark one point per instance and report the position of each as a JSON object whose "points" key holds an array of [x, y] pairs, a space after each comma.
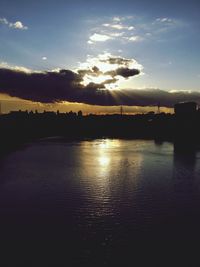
{"points": [[158, 108]]}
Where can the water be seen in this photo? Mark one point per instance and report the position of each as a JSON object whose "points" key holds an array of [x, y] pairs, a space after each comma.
{"points": [[100, 203]]}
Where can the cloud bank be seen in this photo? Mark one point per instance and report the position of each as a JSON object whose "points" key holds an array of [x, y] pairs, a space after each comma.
{"points": [[65, 85]]}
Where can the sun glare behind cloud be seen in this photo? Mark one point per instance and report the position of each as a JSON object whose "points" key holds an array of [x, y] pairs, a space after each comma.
{"points": [[92, 79], [108, 70]]}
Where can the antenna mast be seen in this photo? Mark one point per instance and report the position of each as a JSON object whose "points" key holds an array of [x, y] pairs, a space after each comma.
{"points": [[158, 107]]}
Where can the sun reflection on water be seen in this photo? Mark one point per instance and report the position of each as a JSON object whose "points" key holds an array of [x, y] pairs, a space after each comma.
{"points": [[104, 151], [104, 161], [108, 165]]}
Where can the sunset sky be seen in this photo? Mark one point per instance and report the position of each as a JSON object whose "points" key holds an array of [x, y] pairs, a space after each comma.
{"points": [[101, 45]]}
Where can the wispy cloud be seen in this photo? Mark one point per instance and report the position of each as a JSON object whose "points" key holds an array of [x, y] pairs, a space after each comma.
{"points": [[134, 29], [164, 20], [118, 26], [166, 24], [116, 34], [114, 29], [14, 25], [134, 38], [4, 21], [117, 19], [96, 37]]}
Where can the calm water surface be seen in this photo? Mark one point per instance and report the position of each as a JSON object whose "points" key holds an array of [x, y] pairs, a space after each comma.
{"points": [[100, 203]]}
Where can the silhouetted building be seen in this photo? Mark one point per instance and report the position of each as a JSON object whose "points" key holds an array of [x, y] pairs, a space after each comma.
{"points": [[80, 113], [19, 113], [185, 108], [49, 112], [151, 113]]}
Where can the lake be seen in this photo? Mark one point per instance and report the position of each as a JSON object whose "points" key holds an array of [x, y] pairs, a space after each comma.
{"points": [[104, 202]]}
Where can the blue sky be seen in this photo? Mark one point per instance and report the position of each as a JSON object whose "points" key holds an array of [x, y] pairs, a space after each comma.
{"points": [[163, 37]]}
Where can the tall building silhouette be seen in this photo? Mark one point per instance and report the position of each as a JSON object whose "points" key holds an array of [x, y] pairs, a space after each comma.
{"points": [[185, 108]]}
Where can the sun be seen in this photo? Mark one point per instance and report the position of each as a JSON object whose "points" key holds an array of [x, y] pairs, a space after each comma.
{"points": [[100, 79]]}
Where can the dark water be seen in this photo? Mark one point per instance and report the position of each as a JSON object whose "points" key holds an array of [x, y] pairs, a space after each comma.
{"points": [[100, 203]]}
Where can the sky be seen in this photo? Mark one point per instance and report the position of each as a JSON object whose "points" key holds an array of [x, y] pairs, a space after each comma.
{"points": [[107, 49]]}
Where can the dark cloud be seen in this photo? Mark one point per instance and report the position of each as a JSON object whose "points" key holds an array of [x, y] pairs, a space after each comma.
{"points": [[93, 72], [42, 87], [117, 60], [65, 85], [96, 70], [124, 72], [109, 81]]}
